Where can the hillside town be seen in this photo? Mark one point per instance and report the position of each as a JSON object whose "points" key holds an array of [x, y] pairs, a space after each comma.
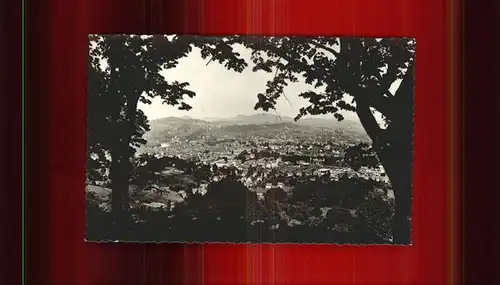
{"points": [[264, 163], [298, 177], [179, 155]]}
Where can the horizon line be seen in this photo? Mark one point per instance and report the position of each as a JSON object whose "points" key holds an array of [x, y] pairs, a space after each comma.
{"points": [[243, 115]]}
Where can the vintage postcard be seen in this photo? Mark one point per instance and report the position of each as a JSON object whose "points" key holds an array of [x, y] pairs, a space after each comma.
{"points": [[249, 139]]}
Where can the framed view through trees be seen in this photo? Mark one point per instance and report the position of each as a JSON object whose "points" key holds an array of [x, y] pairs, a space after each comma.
{"points": [[251, 139], [247, 142]]}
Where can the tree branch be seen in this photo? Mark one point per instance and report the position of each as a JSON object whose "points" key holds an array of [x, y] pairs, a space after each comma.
{"points": [[381, 104], [286, 98], [368, 121], [377, 99], [389, 78], [211, 58], [283, 92], [319, 45], [403, 100], [407, 83]]}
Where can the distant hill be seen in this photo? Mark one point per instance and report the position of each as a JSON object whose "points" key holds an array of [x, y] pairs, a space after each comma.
{"points": [[260, 124], [263, 118], [175, 126], [266, 118], [168, 121]]}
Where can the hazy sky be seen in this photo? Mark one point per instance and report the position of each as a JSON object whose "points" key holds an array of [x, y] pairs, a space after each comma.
{"points": [[224, 93]]}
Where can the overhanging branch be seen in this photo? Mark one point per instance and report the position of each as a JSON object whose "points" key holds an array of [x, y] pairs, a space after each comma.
{"points": [[327, 48]]}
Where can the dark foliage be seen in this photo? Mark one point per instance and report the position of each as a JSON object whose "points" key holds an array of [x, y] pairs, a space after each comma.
{"points": [[348, 210], [123, 71], [363, 68]]}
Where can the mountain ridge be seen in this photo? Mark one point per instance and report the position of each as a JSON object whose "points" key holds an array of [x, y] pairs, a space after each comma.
{"points": [[259, 124], [259, 118]]}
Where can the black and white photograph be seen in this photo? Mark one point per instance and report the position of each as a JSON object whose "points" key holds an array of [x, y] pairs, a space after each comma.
{"points": [[249, 139]]}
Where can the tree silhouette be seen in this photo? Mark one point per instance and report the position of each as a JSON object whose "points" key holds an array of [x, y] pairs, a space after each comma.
{"points": [[131, 76], [364, 68]]}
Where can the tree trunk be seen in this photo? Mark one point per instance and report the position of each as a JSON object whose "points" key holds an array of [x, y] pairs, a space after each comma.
{"points": [[398, 158], [399, 172], [394, 148], [121, 170], [402, 224], [401, 139], [123, 130], [119, 192]]}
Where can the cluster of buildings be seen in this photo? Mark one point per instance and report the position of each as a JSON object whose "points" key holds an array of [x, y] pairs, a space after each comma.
{"points": [[263, 163]]}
